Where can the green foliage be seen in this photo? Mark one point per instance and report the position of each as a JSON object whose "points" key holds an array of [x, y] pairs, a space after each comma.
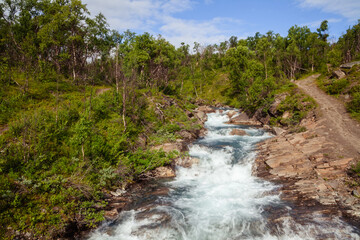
{"points": [[356, 169], [354, 106], [337, 86], [141, 161], [298, 105]]}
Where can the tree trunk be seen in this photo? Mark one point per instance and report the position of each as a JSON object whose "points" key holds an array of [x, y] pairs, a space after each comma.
{"points": [[124, 102], [116, 69], [74, 63], [266, 74]]}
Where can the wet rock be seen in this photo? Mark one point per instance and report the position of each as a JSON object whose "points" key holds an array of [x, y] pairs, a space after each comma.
{"points": [[338, 74], [112, 214], [201, 116], [187, 162], [238, 132], [160, 192], [243, 119], [202, 132], [164, 172], [232, 113], [118, 205]]}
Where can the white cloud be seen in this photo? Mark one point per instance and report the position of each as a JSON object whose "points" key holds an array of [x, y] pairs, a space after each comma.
{"points": [[125, 14], [349, 9], [157, 17], [211, 31], [316, 24]]}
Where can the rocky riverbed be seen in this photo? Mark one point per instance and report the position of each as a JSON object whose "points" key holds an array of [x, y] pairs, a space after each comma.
{"points": [[307, 166]]}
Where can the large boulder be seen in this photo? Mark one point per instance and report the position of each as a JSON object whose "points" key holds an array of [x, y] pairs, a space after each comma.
{"points": [[349, 65], [338, 74], [243, 119]]}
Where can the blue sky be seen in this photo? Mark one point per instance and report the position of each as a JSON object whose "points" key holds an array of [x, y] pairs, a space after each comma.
{"points": [[213, 21]]}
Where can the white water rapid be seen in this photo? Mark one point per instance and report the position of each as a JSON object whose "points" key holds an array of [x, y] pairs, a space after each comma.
{"points": [[219, 199]]}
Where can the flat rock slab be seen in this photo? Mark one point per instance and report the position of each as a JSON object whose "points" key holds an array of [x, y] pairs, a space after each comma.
{"points": [[349, 65]]}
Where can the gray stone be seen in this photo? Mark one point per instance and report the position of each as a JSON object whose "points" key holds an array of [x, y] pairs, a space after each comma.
{"points": [[278, 131], [238, 132], [338, 74], [349, 65]]}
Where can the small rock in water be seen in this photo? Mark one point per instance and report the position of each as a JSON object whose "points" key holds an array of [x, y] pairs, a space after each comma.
{"points": [[238, 132], [187, 162], [232, 113], [112, 214]]}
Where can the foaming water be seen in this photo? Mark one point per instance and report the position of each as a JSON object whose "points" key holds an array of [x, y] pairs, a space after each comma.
{"points": [[218, 198]]}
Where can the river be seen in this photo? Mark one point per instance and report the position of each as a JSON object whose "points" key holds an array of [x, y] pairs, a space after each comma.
{"points": [[219, 199]]}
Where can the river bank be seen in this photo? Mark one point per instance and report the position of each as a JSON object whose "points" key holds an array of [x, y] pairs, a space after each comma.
{"points": [[312, 170], [219, 190], [125, 198]]}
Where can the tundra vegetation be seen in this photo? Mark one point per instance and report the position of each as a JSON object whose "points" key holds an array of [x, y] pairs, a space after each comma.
{"points": [[81, 105]]}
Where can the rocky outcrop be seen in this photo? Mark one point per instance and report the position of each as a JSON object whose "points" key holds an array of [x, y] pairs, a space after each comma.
{"points": [[309, 167], [274, 106], [349, 65], [205, 109], [201, 112]]}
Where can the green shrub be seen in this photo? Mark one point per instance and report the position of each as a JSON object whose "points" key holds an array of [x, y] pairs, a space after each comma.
{"points": [[337, 86]]}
